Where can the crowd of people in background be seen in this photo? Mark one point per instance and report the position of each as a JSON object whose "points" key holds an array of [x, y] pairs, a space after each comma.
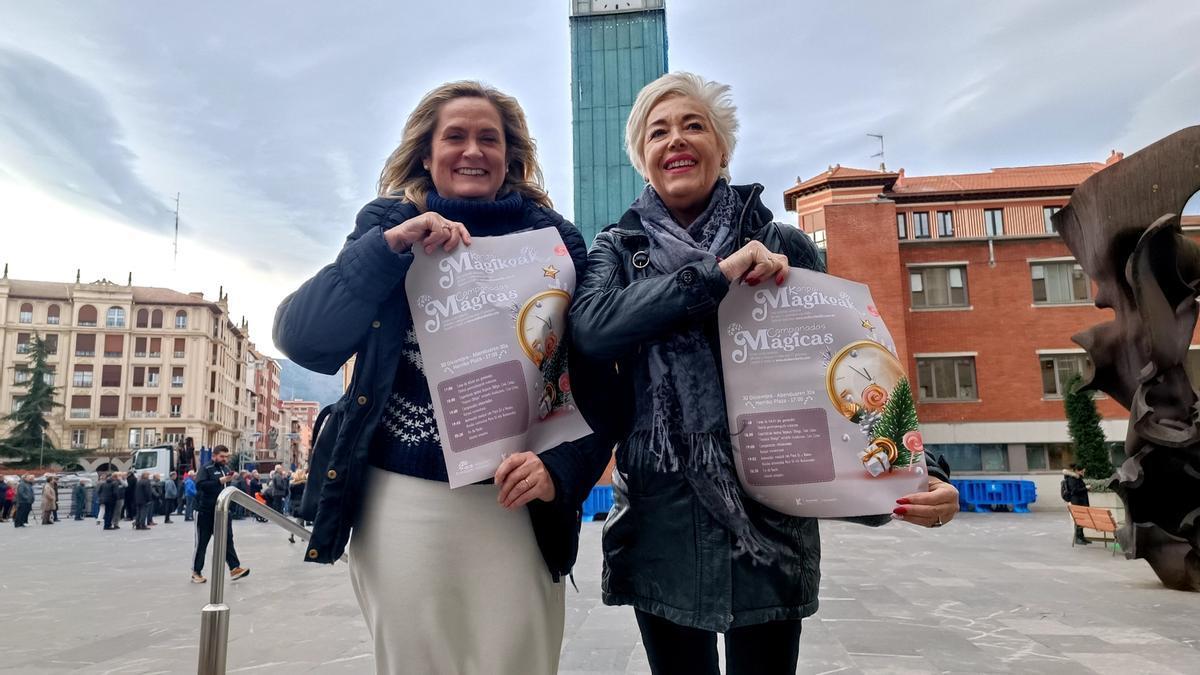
{"points": [[139, 497]]}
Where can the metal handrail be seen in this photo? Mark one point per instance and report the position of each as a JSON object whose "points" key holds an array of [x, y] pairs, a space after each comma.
{"points": [[214, 618]]}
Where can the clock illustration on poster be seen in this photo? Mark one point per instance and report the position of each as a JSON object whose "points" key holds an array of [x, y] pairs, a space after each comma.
{"points": [[861, 378], [540, 325]]}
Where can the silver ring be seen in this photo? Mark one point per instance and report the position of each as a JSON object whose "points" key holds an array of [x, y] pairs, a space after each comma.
{"points": [[527, 484], [939, 523]]}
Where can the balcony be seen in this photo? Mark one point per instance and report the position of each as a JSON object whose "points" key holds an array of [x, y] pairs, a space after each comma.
{"points": [[80, 413], [23, 347], [155, 355], [52, 320], [79, 352], [86, 324], [176, 413], [113, 355], [139, 355], [176, 382], [152, 383], [179, 355]]}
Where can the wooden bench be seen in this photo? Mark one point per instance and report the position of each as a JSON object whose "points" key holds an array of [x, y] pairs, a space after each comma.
{"points": [[1093, 518]]}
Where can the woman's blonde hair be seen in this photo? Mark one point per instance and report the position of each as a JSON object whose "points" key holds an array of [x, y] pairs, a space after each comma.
{"points": [[404, 175], [714, 96]]}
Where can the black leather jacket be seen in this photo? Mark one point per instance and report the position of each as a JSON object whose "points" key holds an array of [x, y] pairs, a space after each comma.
{"points": [[663, 552]]}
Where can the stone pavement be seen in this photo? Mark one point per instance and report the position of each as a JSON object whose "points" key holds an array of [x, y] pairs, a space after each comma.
{"points": [[993, 593]]}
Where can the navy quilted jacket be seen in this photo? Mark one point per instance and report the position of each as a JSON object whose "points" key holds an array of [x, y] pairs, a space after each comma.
{"points": [[356, 306]]}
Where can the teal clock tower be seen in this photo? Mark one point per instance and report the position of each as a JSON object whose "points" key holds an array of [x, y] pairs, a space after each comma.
{"points": [[616, 49]]}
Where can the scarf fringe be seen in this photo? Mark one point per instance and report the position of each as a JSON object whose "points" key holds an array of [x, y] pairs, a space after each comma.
{"points": [[708, 469]]}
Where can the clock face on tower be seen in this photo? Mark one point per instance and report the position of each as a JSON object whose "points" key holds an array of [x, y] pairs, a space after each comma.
{"points": [[615, 6], [861, 377]]}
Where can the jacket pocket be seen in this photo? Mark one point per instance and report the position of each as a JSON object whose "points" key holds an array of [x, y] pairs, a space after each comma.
{"points": [[325, 433]]}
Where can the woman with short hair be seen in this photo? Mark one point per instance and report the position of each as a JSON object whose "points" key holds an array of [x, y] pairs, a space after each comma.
{"points": [[683, 544], [449, 581]]}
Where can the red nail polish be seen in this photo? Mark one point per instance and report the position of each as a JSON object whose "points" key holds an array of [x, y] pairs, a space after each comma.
{"points": [[900, 510], [903, 500], [752, 282]]}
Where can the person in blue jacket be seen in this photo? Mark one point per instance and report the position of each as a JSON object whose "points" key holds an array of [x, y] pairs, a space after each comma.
{"points": [[469, 580]]}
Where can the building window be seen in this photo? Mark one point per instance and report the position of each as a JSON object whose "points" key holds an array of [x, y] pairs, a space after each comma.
{"points": [[972, 456], [139, 347], [110, 376], [135, 438], [139, 376], [1049, 456], [1047, 216], [173, 435], [21, 376], [151, 406], [156, 318], [945, 223], [85, 345], [179, 347], [938, 286], [143, 318], [114, 346], [819, 239], [87, 316], [1058, 369], [52, 315], [78, 438], [155, 347], [81, 406], [949, 378], [82, 377], [181, 319], [51, 341], [23, 346], [115, 318], [993, 222], [177, 377], [176, 406], [921, 225], [16, 404], [110, 406], [26, 314], [48, 376], [901, 226], [1060, 283], [152, 376]]}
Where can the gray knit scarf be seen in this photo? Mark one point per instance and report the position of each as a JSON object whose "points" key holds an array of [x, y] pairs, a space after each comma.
{"points": [[686, 429]]}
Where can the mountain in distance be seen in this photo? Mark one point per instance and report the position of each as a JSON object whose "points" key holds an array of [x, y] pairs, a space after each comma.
{"points": [[297, 382]]}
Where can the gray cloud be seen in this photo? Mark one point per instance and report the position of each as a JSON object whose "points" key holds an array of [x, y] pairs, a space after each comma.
{"points": [[58, 130]]}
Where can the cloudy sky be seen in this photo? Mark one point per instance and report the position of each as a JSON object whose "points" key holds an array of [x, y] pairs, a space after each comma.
{"points": [[273, 118]]}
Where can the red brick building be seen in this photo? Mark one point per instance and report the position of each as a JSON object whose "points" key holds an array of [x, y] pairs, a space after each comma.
{"points": [[981, 296]]}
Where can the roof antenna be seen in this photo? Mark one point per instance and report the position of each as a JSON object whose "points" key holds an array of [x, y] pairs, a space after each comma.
{"points": [[175, 256], [882, 165]]}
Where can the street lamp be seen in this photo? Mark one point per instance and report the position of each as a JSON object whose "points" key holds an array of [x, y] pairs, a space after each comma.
{"points": [[42, 454]]}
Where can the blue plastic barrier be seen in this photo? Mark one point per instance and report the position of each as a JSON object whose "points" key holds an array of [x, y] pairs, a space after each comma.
{"points": [[982, 495], [599, 501]]}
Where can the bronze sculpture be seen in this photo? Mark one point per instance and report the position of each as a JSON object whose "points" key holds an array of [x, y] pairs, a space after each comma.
{"points": [[1123, 226]]}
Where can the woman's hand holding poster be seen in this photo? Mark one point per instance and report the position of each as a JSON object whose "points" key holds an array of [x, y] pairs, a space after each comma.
{"points": [[822, 413], [490, 319]]}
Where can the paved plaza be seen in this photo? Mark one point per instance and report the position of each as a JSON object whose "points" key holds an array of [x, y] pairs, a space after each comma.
{"points": [[993, 593]]}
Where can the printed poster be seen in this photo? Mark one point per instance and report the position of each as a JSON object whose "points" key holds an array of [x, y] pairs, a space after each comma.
{"points": [[490, 320], [821, 411]]}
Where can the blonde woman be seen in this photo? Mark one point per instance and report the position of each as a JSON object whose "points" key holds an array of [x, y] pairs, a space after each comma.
{"points": [[469, 581], [683, 545]]}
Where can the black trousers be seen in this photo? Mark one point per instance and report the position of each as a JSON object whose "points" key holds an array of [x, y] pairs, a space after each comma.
{"points": [[204, 532], [22, 518], [111, 517], [143, 513], [764, 649]]}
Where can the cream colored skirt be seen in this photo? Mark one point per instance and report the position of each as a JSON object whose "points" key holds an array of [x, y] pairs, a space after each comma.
{"points": [[451, 583]]}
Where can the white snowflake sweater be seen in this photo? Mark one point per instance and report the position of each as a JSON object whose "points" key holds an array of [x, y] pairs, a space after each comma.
{"points": [[406, 440]]}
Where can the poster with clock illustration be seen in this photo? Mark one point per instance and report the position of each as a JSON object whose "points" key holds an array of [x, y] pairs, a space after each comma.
{"points": [[490, 320], [820, 408]]}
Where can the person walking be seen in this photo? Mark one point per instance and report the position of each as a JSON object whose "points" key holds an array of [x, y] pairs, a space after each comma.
{"points": [[1075, 492], [120, 489], [295, 496], [53, 481], [179, 501], [209, 483], [49, 500], [189, 495], [170, 496], [8, 495], [109, 490], [143, 498], [279, 489], [131, 482], [24, 500], [79, 500]]}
